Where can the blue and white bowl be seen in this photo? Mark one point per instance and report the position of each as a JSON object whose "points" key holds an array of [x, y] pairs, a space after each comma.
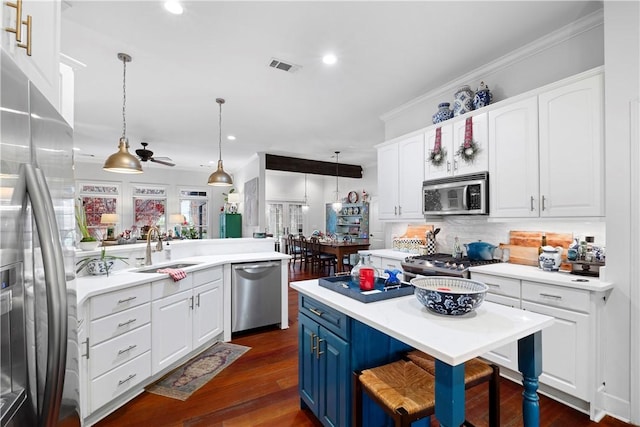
{"points": [[450, 296]]}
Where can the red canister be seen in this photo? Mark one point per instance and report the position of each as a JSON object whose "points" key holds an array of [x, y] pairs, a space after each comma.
{"points": [[367, 278]]}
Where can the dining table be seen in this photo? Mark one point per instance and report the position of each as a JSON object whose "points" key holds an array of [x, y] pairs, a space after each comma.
{"points": [[451, 340], [341, 249]]}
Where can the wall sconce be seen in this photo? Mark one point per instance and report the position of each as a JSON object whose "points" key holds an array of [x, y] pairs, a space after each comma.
{"points": [[110, 220]]}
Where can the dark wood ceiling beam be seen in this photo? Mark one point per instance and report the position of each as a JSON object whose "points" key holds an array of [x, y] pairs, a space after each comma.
{"points": [[293, 164]]}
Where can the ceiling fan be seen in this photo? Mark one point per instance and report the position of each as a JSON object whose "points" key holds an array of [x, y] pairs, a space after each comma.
{"points": [[145, 155]]}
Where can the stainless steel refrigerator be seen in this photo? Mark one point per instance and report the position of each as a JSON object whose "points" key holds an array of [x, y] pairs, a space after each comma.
{"points": [[38, 327]]}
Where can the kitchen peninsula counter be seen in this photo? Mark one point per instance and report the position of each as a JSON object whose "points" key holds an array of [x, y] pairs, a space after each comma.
{"points": [[452, 340]]}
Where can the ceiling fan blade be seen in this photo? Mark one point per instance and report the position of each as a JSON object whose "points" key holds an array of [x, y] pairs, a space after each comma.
{"points": [[162, 162]]}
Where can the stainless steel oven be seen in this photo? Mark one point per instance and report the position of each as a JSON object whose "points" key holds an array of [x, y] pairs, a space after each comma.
{"points": [[456, 195]]}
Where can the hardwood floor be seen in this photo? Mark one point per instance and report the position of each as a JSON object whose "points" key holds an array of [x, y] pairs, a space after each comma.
{"points": [[260, 390]]}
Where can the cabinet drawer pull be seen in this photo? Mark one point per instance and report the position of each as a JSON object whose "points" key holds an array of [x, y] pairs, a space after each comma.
{"points": [[18, 29], [313, 342], [198, 300], [128, 322], [191, 302], [551, 296], [399, 210], [543, 200], [531, 203], [455, 165], [27, 45], [129, 378], [122, 301], [395, 210], [448, 166], [86, 344], [491, 285], [318, 352], [131, 347], [316, 311]]}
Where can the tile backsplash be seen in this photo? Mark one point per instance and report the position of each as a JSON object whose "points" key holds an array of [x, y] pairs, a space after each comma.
{"points": [[474, 228]]}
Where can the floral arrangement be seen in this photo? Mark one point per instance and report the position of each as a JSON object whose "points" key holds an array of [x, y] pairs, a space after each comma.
{"points": [[81, 220], [104, 262], [468, 151]]}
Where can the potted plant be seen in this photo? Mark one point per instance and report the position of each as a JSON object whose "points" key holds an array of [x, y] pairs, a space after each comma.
{"points": [[88, 242], [99, 265]]}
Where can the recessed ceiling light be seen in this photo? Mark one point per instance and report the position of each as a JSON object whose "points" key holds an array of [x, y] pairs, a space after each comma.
{"points": [[174, 7], [76, 149], [231, 137], [329, 59]]}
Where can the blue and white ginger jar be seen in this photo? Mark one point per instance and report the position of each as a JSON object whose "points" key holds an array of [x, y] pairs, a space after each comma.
{"points": [[483, 96], [443, 113], [463, 102]]}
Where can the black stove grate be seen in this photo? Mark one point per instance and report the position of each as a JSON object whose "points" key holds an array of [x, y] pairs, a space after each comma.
{"points": [[447, 258]]}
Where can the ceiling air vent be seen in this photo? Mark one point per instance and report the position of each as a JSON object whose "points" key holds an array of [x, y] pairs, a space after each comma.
{"points": [[284, 66]]}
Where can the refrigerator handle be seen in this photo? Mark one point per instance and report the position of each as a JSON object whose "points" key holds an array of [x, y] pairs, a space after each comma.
{"points": [[55, 279]]}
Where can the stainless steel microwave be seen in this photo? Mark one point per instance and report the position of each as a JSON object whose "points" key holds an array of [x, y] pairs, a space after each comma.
{"points": [[456, 195]]}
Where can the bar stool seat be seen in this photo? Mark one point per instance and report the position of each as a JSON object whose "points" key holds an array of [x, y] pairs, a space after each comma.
{"points": [[402, 389], [476, 372]]}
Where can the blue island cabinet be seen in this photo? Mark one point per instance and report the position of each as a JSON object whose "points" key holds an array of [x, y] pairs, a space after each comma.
{"points": [[331, 346]]}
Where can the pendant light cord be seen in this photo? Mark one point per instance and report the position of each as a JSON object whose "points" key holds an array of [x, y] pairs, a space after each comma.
{"points": [[124, 98], [220, 131], [337, 163]]}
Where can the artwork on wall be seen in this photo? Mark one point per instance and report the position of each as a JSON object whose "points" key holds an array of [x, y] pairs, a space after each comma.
{"points": [[251, 202]]}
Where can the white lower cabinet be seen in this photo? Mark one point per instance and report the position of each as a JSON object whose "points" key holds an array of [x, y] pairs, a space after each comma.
{"points": [[382, 263], [112, 384], [172, 329], [136, 334], [565, 350], [187, 319], [568, 351]]}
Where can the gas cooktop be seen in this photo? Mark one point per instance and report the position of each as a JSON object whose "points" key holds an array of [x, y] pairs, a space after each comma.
{"points": [[440, 265]]}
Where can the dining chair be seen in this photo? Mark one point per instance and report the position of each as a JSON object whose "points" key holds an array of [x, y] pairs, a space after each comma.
{"points": [[295, 250], [321, 261]]}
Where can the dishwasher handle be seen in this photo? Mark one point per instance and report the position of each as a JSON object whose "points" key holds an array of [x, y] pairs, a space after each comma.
{"points": [[254, 266]]}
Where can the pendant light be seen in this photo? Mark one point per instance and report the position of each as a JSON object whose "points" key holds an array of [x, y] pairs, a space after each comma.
{"points": [[220, 178], [305, 205], [337, 204], [123, 161]]}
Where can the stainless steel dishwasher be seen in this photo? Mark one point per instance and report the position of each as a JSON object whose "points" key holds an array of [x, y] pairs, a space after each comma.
{"points": [[256, 290]]}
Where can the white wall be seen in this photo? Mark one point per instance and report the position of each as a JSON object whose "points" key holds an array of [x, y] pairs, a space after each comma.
{"points": [[620, 339], [254, 168], [536, 64]]}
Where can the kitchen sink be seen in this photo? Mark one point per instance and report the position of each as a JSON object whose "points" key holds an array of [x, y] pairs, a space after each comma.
{"points": [[155, 268]]}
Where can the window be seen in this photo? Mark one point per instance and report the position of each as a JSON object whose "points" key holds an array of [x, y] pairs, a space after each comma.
{"points": [[285, 218], [149, 208], [98, 199], [194, 207]]}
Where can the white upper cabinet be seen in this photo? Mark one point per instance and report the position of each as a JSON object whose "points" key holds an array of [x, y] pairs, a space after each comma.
{"points": [[43, 40], [547, 153], [513, 164], [452, 141], [400, 176], [572, 149]]}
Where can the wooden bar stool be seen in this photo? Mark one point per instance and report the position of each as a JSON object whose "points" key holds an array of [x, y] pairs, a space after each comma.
{"points": [[476, 372], [402, 389]]}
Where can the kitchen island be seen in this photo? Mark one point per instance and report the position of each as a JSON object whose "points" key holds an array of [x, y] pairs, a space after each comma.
{"points": [[451, 340]]}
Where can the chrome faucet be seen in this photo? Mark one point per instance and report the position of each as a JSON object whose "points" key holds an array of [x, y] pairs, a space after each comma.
{"points": [[147, 260]]}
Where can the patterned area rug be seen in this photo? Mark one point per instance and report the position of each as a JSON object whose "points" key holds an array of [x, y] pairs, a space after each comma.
{"points": [[188, 378]]}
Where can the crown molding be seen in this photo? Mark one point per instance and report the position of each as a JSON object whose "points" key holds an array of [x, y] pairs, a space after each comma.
{"points": [[561, 35]]}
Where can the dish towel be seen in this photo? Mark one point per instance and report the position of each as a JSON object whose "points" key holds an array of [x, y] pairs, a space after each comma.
{"points": [[175, 273]]}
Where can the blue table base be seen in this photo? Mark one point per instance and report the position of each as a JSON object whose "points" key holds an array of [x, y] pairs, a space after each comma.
{"points": [[450, 387]]}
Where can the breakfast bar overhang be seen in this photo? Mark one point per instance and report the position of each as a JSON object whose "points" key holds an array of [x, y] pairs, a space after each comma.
{"points": [[451, 340]]}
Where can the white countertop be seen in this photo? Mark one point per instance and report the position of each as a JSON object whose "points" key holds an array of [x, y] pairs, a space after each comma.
{"points": [[388, 253], [452, 339], [88, 286], [560, 278]]}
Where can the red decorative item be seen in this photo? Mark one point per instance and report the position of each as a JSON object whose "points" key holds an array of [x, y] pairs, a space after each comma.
{"points": [[437, 145], [367, 279], [468, 132]]}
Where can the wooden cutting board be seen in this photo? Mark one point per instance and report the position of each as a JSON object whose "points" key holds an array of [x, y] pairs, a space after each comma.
{"points": [[521, 254], [523, 246]]}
